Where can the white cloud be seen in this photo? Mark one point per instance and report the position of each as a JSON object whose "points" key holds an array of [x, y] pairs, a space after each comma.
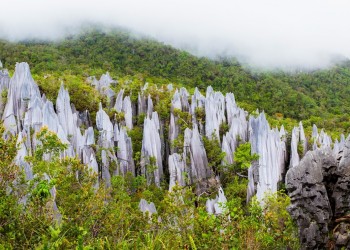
{"points": [[266, 33]]}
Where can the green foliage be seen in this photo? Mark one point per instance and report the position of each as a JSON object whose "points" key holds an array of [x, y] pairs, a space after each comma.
{"points": [[224, 128], [49, 83], [91, 217], [152, 165], [300, 148], [243, 157], [214, 153], [236, 173], [41, 191], [200, 114], [184, 119]]}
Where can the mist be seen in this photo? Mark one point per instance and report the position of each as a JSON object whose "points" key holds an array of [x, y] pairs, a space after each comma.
{"points": [[266, 34]]}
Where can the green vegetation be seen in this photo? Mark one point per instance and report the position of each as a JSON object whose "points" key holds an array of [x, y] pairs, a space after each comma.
{"points": [[319, 97], [90, 217]]}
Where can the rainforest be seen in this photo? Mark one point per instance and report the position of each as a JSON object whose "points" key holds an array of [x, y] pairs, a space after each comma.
{"points": [[112, 141]]}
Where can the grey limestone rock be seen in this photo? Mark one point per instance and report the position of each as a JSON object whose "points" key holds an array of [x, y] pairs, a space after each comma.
{"points": [[119, 101], [174, 128], [65, 113], [338, 147], [89, 137], [105, 126], [21, 154], [149, 106], [22, 89], [50, 120], [151, 147], [214, 112], [321, 140], [146, 207], [103, 86], [194, 151], [89, 158], [197, 101], [141, 104], [106, 141], [4, 85], [294, 158], [176, 171], [269, 144], [298, 141], [238, 131], [217, 206], [184, 95], [127, 109], [302, 138], [126, 161], [308, 185], [341, 192]]}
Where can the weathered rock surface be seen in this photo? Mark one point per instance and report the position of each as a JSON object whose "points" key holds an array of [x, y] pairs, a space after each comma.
{"points": [[238, 132], [214, 112], [151, 157], [319, 190], [218, 205], [125, 153], [145, 207], [341, 193], [308, 189], [195, 153], [266, 173], [22, 89], [176, 171], [4, 85]]}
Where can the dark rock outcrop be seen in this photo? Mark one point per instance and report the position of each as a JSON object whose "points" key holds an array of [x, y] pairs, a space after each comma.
{"points": [[320, 198], [311, 207]]}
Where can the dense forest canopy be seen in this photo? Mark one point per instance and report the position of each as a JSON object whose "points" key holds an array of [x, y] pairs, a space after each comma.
{"points": [[319, 97]]}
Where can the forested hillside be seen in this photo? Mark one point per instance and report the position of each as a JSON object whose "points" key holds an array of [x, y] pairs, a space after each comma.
{"points": [[319, 97], [139, 158]]}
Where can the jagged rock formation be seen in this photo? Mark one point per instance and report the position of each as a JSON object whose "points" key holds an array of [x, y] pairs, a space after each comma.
{"points": [[124, 153], [320, 180], [4, 85], [321, 140], [310, 203], [341, 198], [214, 112], [151, 158], [145, 207], [197, 103], [104, 86], [319, 191], [269, 144], [195, 151], [238, 132], [218, 205], [22, 90], [26, 110], [176, 170]]}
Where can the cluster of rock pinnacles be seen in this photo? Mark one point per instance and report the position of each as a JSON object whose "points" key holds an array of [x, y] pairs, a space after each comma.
{"points": [[317, 181]]}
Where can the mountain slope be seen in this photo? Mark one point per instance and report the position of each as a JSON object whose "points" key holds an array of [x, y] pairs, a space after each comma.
{"points": [[319, 96]]}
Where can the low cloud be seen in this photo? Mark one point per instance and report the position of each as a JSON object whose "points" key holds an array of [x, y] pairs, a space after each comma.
{"points": [[262, 33]]}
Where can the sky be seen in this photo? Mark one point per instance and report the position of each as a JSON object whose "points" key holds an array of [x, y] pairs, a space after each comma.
{"points": [[285, 34]]}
